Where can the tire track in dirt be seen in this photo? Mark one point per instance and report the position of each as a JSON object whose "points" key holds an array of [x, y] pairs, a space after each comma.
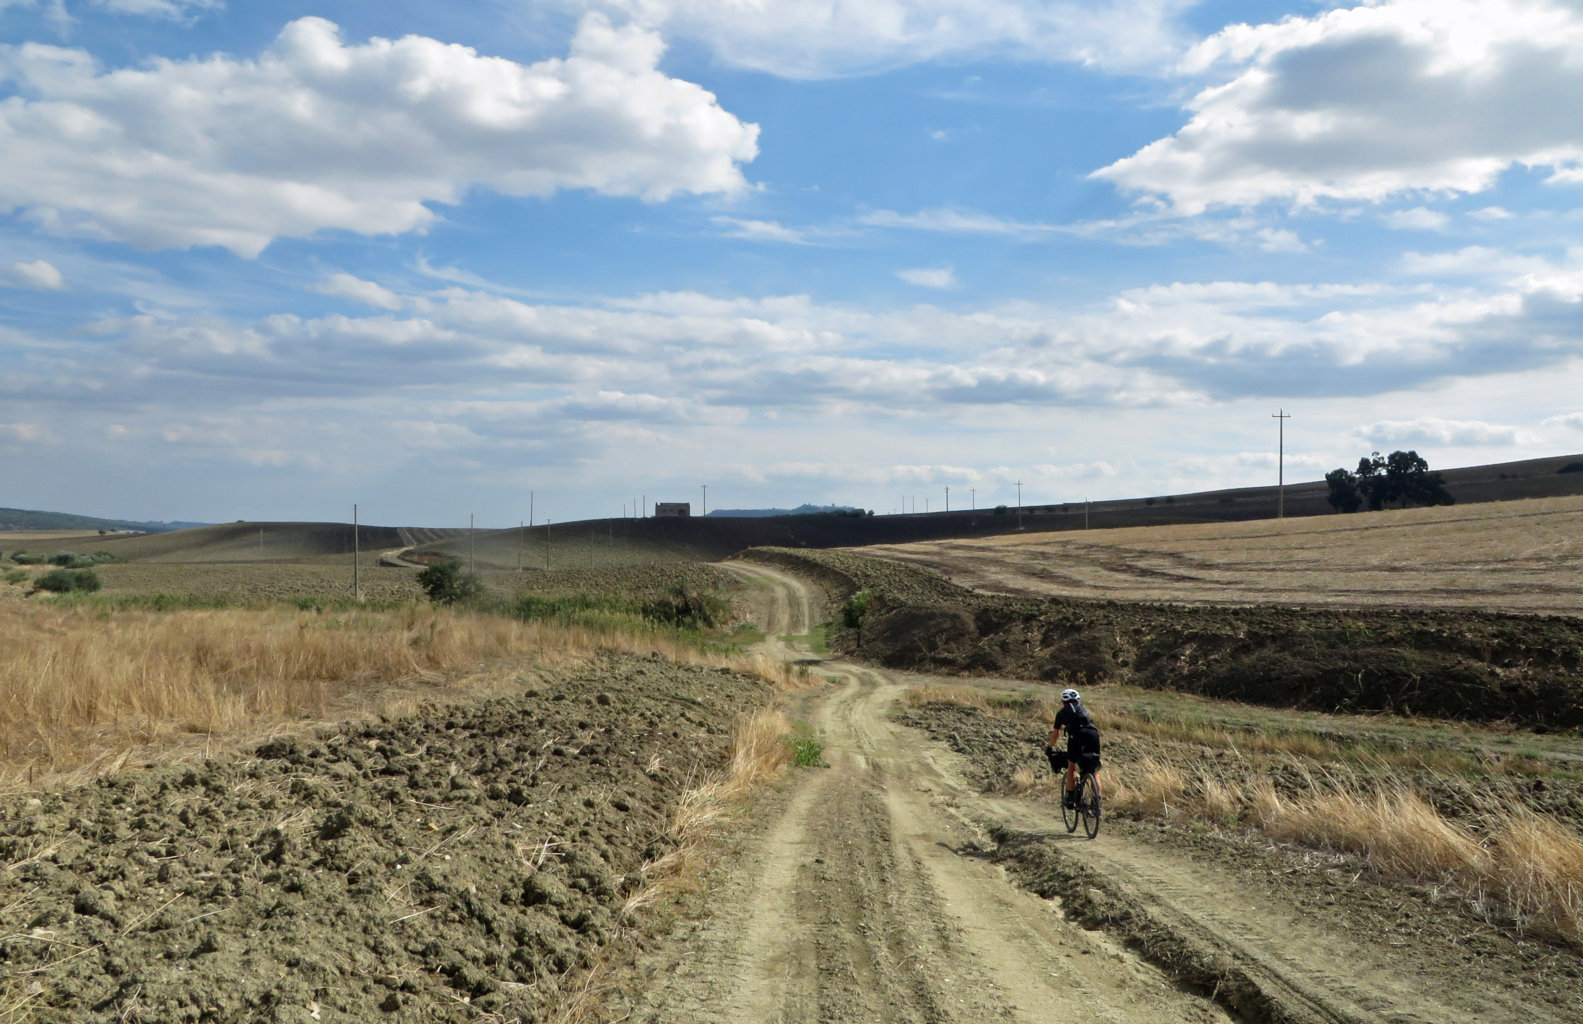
{"points": [[869, 898], [784, 607]]}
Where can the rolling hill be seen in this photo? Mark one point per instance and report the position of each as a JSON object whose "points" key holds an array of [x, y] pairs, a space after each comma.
{"points": [[602, 543]]}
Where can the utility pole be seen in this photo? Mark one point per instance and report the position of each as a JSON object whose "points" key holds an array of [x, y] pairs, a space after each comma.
{"points": [[522, 542], [472, 561], [1019, 504], [356, 550], [972, 493], [546, 543], [1280, 462], [1085, 513], [706, 501], [948, 498], [530, 508]]}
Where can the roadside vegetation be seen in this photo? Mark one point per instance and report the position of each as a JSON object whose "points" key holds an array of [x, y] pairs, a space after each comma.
{"points": [[1421, 803], [91, 677]]}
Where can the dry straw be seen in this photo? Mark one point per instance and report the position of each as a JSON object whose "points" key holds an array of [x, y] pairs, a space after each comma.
{"points": [[85, 687]]}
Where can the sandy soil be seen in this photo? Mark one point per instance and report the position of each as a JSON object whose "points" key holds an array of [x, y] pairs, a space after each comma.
{"points": [[877, 890]]}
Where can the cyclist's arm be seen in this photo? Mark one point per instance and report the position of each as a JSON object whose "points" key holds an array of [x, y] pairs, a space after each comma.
{"points": [[1055, 734]]}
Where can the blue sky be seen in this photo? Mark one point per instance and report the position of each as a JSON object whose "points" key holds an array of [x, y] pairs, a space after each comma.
{"points": [[263, 261]]}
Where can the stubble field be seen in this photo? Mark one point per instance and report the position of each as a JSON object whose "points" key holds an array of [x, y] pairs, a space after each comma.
{"points": [[1521, 556]]}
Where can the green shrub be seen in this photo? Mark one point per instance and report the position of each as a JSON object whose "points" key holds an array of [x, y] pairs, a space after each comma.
{"points": [[808, 753], [688, 608], [72, 560], [66, 581], [23, 558], [569, 607], [446, 583], [15, 575], [856, 605]]}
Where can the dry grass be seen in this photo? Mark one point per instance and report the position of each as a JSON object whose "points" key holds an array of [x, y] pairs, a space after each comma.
{"points": [[1151, 786], [1518, 865], [1395, 829], [81, 688], [1537, 868]]}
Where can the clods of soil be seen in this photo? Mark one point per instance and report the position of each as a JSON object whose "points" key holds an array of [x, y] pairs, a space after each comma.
{"points": [[432, 868]]}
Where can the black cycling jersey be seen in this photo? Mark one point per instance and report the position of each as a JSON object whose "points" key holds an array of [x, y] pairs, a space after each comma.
{"points": [[1082, 735], [1072, 717]]}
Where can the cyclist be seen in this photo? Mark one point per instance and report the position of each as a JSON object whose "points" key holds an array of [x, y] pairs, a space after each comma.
{"points": [[1082, 743]]}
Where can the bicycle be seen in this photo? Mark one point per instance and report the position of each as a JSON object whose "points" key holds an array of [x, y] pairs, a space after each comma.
{"points": [[1087, 809]]}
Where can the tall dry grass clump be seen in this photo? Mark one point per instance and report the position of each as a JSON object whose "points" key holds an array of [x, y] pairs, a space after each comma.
{"points": [[1396, 830], [1152, 786], [1536, 868]]}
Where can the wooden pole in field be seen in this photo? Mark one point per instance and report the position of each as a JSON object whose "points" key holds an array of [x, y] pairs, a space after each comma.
{"points": [[1280, 462]]}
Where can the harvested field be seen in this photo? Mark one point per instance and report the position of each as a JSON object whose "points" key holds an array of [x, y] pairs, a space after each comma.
{"points": [[1518, 556]]}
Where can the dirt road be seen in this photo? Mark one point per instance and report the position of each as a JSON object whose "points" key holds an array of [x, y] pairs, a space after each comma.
{"points": [[871, 895]]}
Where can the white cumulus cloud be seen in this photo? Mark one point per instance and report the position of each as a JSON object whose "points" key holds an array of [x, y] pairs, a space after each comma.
{"points": [[347, 286], [38, 274], [174, 9], [1432, 430], [929, 277], [798, 39], [317, 133], [1418, 218], [1372, 101]]}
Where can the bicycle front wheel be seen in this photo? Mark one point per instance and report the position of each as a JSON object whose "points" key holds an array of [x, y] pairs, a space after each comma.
{"points": [[1088, 805], [1069, 812]]}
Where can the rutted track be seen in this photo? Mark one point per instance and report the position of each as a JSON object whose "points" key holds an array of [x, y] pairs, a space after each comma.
{"points": [[872, 898], [874, 895]]}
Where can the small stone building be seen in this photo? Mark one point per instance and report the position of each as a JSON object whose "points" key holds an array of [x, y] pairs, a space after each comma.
{"points": [[677, 509]]}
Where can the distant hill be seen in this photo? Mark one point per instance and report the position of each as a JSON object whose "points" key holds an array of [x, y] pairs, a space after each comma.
{"points": [[605, 543], [800, 510], [32, 519]]}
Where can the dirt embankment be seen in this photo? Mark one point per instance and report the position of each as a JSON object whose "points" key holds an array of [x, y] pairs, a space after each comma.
{"points": [[1448, 664], [439, 867]]}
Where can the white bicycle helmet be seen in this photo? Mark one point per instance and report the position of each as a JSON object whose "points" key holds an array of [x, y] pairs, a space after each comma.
{"points": [[1068, 696]]}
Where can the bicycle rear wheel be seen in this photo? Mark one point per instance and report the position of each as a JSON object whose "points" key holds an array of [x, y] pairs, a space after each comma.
{"points": [[1069, 813], [1088, 805]]}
